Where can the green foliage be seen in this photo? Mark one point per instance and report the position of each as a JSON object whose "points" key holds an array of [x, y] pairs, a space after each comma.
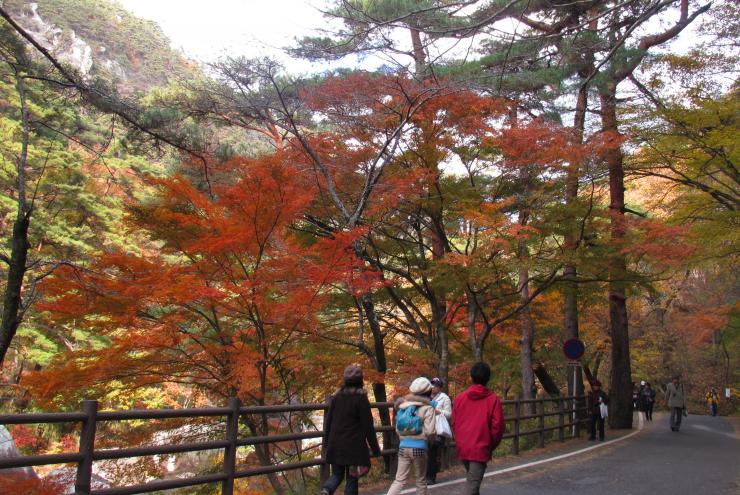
{"points": [[137, 45]]}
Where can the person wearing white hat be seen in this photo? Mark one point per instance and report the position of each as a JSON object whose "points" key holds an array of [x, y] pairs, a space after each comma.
{"points": [[415, 425]]}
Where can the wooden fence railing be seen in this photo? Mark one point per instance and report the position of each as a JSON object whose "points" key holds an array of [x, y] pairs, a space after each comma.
{"points": [[567, 410]]}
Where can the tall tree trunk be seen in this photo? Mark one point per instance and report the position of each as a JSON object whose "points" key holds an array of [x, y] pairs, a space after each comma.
{"points": [[439, 295], [527, 337], [379, 360], [574, 377], [12, 300], [419, 55], [527, 340], [472, 319], [620, 382]]}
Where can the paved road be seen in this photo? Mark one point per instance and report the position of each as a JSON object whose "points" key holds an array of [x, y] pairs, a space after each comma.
{"points": [[703, 458]]}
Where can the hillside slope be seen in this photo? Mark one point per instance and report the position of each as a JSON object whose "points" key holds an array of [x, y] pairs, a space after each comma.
{"points": [[102, 39]]}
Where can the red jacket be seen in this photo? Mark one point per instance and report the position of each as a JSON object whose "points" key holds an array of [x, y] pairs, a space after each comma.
{"points": [[477, 423]]}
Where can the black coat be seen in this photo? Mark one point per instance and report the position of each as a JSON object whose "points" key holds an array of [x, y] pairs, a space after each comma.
{"points": [[348, 429]]}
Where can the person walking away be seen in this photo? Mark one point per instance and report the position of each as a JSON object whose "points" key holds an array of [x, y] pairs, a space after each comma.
{"points": [[641, 404], [635, 396], [477, 425], [648, 398], [416, 427], [676, 399], [348, 432], [596, 399], [442, 406], [713, 401]]}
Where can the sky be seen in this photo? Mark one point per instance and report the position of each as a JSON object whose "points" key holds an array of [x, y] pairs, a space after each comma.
{"points": [[210, 29], [213, 29], [206, 30]]}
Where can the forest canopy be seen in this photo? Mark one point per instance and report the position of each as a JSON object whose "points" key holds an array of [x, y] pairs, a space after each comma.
{"points": [[175, 235]]}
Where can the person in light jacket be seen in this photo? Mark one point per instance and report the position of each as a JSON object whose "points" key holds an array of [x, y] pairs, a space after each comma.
{"points": [[442, 406], [413, 447], [478, 426], [676, 399], [348, 432], [596, 398]]}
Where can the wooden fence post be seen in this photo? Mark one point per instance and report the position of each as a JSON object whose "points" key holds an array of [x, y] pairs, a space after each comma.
{"points": [[232, 435], [87, 447], [541, 406], [395, 442], [561, 419], [517, 415], [324, 469]]}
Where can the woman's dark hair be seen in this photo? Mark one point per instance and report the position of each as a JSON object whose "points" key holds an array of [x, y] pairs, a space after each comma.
{"points": [[353, 382], [480, 373]]}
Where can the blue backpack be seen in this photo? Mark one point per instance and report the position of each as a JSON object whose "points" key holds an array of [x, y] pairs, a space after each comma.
{"points": [[408, 422]]}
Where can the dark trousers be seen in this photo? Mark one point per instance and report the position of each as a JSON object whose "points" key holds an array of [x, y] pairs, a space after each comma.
{"points": [[676, 416], [596, 418], [434, 457], [713, 408], [649, 411], [474, 476], [338, 473]]}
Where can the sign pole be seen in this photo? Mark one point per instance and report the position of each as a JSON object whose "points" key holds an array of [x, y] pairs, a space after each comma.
{"points": [[573, 350], [576, 369]]}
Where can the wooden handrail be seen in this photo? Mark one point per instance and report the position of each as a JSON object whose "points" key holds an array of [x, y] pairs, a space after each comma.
{"points": [[90, 417]]}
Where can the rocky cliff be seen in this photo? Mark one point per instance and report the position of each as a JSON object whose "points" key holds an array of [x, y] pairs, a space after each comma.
{"points": [[102, 40]]}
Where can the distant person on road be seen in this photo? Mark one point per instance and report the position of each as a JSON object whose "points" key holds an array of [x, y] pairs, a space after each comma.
{"points": [[348, 431], [648, 399], [596, 399], [675, 397], [635, 396], [712, 398], [442, 405], [478, 425], [415, 426], [640, 397]]}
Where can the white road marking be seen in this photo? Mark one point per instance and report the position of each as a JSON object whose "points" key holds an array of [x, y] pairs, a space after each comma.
{"points": [[707, 428], [497, 472]]}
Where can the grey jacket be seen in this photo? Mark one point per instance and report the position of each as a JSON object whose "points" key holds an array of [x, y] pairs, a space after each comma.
{"points": [[675, 395]]}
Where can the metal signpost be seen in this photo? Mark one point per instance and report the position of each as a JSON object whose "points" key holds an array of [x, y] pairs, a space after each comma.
{"points": [[573, 350]]}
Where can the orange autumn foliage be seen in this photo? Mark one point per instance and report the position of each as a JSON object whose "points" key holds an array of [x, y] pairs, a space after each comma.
{"points": [[230, 291]]}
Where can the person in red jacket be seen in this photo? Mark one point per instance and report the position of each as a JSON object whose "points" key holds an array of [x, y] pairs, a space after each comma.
{"points": [[477, 426]]}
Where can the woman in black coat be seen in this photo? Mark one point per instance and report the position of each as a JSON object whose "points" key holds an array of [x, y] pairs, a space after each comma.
{"points": [[348, 431]]}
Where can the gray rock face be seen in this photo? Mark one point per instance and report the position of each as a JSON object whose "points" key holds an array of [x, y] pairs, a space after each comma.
{"points": [[66, 45], [9, 450]]}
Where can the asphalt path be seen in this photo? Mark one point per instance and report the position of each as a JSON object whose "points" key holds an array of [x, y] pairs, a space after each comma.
{"points": [[702, 458]]}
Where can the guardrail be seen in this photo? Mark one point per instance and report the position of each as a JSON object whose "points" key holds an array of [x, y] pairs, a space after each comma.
{"points": [[567, 411]]}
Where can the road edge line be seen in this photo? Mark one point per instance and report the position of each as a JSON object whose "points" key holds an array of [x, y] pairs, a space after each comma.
{"points": [[640, 426]]}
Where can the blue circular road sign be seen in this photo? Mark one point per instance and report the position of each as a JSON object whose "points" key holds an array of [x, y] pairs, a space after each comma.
{"points": [[574, 349]]}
